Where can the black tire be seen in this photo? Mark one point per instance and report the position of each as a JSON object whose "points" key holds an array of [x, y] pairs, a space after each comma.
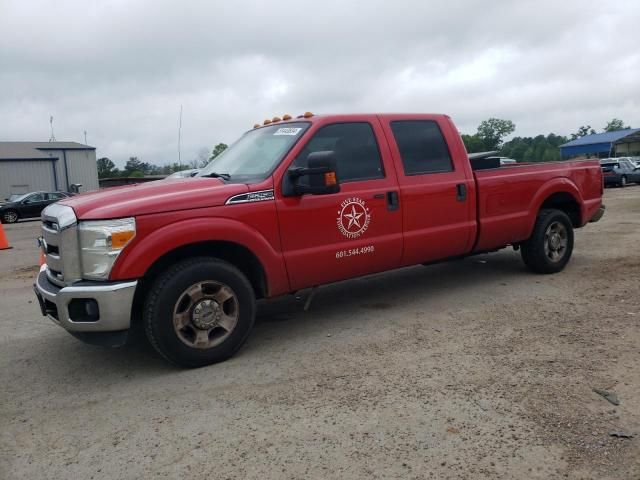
{"points": [[538, 253], [10, 216], [623, 181], [169, 288]]}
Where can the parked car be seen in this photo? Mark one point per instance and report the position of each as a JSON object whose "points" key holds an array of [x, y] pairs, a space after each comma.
{"points": [[291, 205], [619, 171], [505, 160], [28, 205], [183, 174]]}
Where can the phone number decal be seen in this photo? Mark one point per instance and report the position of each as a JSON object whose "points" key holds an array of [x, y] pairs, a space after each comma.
{"points": [[352, 252]]}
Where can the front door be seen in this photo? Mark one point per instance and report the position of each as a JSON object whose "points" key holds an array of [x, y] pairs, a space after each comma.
{"points": [[33, 205], [357, 231]]}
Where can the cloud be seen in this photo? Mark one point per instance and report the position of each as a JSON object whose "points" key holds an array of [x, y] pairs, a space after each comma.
{"points": [[120, 70]]}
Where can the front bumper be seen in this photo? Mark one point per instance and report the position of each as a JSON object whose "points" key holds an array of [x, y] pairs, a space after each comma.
{"points": [[65, 306]]}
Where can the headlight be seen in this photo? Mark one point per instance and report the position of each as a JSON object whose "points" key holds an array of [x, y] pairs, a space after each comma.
{"points": [[101, 241]]}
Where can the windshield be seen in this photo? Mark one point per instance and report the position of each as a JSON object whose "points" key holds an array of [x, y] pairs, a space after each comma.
{"points": [[18, 197], [254, 156]]}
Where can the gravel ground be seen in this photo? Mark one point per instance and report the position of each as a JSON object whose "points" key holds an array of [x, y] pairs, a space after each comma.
{"points": [[470, 369]]}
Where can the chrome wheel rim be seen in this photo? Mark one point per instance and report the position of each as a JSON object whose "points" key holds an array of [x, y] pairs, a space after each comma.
{"points": [[623, 181], [10, 217], [556, 239], [205, 314]]}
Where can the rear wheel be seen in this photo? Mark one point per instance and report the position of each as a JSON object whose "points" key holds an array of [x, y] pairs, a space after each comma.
{"points": [[549, 248], [199, 311], [10, 216]]}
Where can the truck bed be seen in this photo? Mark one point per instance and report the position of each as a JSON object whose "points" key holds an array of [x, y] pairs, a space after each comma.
{"points": [[509, 197]]}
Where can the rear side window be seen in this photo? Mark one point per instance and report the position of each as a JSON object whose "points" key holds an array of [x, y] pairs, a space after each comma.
{"points": [[422, 147], [355, 149]]}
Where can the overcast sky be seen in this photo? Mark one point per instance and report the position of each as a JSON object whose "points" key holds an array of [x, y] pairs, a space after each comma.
{"points": [[121, 69]]}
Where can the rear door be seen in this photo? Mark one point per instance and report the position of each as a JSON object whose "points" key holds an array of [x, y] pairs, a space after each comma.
{"points": [[357, 231], [437, 190]]}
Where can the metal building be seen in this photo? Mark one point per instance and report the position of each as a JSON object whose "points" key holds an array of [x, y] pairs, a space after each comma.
{"points": [[607, 144], [49, 166]]}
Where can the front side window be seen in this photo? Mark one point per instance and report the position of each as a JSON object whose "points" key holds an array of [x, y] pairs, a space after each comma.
{"points": [[422, 147], [254, 156], [36, 197], [355, 149]]}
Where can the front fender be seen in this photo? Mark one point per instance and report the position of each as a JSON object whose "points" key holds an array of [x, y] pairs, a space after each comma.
{"points": [[149, 246]]}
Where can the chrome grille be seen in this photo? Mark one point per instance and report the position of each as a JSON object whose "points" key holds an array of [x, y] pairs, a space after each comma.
{"points": [[60, 242]]}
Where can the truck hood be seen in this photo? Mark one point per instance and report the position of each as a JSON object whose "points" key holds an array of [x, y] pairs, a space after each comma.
{"points": [[153, 197]]}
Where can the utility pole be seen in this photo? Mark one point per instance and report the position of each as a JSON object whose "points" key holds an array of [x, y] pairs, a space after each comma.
{"points": [[179, 134], [53, 137]]}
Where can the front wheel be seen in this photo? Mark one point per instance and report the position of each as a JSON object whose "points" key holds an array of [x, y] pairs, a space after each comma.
{"points": [[549, 248], [10, 216], [623, 181], [199, 311]]}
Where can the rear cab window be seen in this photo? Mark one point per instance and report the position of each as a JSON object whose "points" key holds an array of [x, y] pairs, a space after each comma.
{"points": [[422, 147]]}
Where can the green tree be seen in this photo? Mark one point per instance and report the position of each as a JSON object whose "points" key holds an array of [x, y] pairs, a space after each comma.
{"points": [[133, 164], [534, 149], [106, 168], [614, 125], [493, 131], [217, 150], [473, 143], [583, 131]]}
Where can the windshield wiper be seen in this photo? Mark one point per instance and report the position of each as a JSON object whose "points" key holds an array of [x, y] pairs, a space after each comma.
{"points": [[224, 176]]}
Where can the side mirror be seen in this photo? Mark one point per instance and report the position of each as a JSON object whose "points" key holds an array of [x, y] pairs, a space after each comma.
{"points": [[322, 173]]}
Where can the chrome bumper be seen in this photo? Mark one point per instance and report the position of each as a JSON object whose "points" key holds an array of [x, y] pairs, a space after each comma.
{"points": [[114, 301], [598, 215]]}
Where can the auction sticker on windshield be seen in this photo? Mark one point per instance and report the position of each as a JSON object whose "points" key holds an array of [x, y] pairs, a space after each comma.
{"points": [[287, 131]]}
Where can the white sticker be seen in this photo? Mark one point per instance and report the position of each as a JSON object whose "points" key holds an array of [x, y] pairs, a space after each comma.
{"points": [[287, 131]]}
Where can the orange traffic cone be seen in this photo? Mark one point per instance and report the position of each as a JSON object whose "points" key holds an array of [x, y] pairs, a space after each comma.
{"points": [[4, 243], [42, 257]]}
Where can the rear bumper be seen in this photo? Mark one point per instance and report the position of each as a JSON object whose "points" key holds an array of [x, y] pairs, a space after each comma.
{"points": [[113, 301], [598, 215]]}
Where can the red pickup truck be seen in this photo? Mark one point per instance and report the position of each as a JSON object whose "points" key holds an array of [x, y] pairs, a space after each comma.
{"points": [[295, 203]]}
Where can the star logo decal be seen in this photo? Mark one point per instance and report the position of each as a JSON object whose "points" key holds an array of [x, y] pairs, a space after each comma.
{"points": [[353, 217]]}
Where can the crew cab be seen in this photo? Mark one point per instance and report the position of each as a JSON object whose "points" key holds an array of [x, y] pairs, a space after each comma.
{"points": [[295, 203]]}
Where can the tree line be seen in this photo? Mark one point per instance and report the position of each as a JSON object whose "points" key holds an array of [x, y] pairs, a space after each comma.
{"points": [[489, 136], [137, 168], [491, 133]]}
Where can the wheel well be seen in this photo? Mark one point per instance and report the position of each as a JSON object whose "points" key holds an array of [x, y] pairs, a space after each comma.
{"points": [[241, 257], [567, 203]]}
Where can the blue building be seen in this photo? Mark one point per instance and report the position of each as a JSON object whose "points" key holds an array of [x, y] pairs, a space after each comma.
{"points": [[602, 145]]}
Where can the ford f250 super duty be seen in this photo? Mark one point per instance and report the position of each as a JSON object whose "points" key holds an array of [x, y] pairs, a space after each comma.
{"points": [[295, 203]]}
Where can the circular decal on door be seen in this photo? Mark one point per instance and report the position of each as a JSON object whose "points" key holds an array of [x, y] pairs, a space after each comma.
{"points": [[353, 217]]}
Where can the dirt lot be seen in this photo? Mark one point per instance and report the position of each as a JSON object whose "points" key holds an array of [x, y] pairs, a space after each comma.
{"points": [[471, 369]]}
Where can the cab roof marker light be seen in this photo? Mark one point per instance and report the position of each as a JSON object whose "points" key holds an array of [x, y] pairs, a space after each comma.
{"points": [[307, 115], [275, 119], [266, 122], [286, 116], [256, 125]]}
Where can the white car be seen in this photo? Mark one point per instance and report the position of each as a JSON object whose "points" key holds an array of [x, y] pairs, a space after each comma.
{"points": [[184, 174], [505, 160]]}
